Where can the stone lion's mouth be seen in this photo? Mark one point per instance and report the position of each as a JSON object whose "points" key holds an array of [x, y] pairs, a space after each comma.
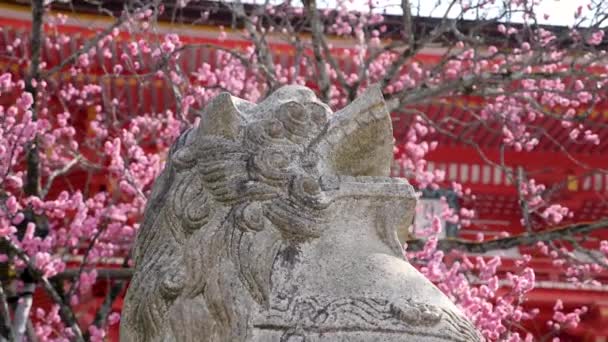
{"points": [[357, 140], [367, 186]]}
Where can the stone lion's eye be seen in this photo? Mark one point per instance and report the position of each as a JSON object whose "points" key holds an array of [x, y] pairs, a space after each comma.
{"points": [[319, 118], [275, 129], [294, 110], [318, 113]]}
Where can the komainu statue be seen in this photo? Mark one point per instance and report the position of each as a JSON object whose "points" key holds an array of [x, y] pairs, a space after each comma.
{"points": [[277, 222]]}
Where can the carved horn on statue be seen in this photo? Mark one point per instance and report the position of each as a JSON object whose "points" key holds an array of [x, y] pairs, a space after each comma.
{"points": [[221, 117], [359, 138]]}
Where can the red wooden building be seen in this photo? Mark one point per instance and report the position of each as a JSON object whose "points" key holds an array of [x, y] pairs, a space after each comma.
{"points": [[497, 199]]}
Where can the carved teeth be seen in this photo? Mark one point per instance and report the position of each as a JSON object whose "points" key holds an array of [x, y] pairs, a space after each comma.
{"points": [[351, 127], [365, 119], [335, 136], [378, 112]]}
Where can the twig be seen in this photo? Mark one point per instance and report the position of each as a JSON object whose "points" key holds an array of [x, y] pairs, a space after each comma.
{"points": [[317, 38], [58, 173], [593, 257], [525, 210], [262, 49], [32, 183], [65, 312], [85, 48], [106, 307], [108, 273], [22, 313], [30, 332], [6, 330], [83, 264]]}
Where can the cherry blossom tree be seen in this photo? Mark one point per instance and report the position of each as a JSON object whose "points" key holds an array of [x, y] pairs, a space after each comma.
{"points": [[58, 233]]}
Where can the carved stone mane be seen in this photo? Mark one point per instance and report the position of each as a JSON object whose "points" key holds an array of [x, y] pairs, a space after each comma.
{"points": [[277, 222]]}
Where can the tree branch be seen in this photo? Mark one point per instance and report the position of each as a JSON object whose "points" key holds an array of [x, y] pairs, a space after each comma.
{"points": [[30, 332], [450, 244], [108, 273], [261, 46], [523, 203], [58, 173], [32, 184], [65, 312], [6, 331], [106, 307], [317, 43], [85, 48], [22, 313]]}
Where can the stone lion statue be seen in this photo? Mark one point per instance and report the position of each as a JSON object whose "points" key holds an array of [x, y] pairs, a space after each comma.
{"points": [[277, 222]]}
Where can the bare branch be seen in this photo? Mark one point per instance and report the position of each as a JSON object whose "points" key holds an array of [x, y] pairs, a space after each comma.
{"points": [[30, 332], [6, 330], [113, 293], [413, 44], [22, 313], [65, 169], [65, 312], [32, 184], [104, 273], [317, 43], [592, 256], [512, 241], [261, 46], [85, 48], [83, 263], [523, 204]]}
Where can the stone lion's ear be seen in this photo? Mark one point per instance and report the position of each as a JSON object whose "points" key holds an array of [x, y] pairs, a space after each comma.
{"points": [[221, 117]]}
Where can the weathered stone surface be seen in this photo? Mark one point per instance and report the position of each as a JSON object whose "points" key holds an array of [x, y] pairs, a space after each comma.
{"points": [[276, 222]]}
